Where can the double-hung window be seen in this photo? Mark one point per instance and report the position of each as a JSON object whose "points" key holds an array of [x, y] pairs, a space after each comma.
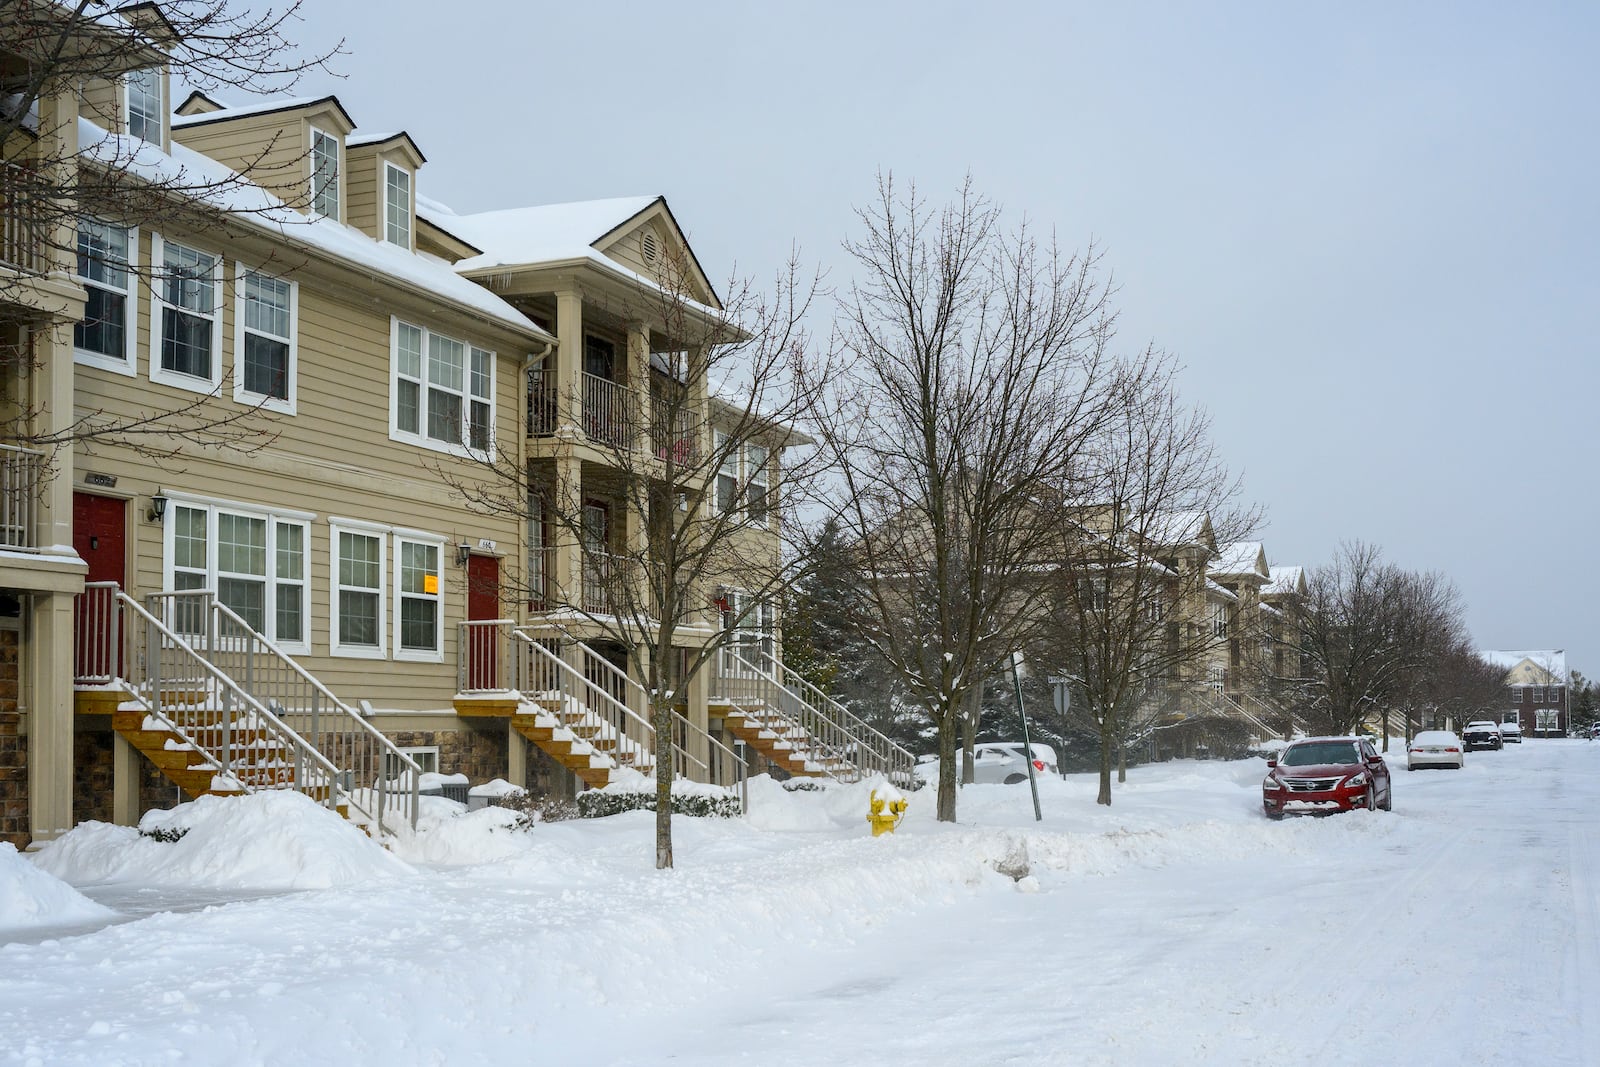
{"points": [[727, 490], [1516, 694], [1536, 694], [751, 626], [396, 205], [358, 561], [264, 340], [254, 560], [419, 614], [324, 174], [144, 103], [755, 492], [443, 394], [188, 326], [106, 255]]}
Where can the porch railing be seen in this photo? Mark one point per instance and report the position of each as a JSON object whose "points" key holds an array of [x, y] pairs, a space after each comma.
{"points": [[20, 488], [388, 778], [245, 745], [606, 411], [836, 741], [604, 578], [543, 415], [21, 220], [672, 432]]}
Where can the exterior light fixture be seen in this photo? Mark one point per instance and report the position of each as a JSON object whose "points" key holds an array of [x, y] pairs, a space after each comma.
{"points": [[158, 507]]}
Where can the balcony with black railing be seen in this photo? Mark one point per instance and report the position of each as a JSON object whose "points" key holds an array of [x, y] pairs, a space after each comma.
{"points": [[22, 219]]}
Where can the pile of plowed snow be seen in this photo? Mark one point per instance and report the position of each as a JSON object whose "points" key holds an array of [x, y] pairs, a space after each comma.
{"points": [[30, 897]]}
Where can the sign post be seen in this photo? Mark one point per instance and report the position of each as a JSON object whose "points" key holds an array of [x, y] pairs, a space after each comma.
{"points": [[1027, 746]]}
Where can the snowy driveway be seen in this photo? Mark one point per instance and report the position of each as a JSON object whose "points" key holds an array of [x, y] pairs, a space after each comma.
{"points": [[1178, 927]]}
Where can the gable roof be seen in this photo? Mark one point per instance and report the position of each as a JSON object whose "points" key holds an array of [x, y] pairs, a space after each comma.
{"points": [[1285, 580], [268, 106], [1529, 667], [554, 233], [1241, 557]]}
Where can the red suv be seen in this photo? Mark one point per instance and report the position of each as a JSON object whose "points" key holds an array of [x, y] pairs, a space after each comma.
{"points": [[1320, 775]]}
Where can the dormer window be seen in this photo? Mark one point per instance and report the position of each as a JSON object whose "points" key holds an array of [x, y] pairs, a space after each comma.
{"points": [[396, 205], [145, 104], [324, 174]]}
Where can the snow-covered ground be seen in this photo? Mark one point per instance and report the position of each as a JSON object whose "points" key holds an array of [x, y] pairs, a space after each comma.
{"points": [[1179, 926]]}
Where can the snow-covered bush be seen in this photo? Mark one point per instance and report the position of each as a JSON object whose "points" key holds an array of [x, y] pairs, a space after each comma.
{"points": [[598, 803]]}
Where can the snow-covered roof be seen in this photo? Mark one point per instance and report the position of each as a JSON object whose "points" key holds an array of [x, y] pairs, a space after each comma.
{"points": [[1284, 580], [260, 107], [521, 236], [250, 205], [1220, 590], [1175, 527], [1240, 557], [1538, 666]]}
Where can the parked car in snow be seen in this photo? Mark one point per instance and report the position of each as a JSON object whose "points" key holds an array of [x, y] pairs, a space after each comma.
{"points": [[1511, 733], [1322, 775], [1435, 748], [1003, 761], [1481, 734]]}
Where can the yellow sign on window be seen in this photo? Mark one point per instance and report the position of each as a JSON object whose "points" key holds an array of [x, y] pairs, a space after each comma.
{"points": [[430, 583]]}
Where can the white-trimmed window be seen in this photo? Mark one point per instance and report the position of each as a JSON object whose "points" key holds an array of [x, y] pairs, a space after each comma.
{"points": [[144, 103], [443, 395], [187, 342], [1554, 694], [105, 336], [1219, 620], [752, 641], [358, 563], [253, 559], [324, 174], [419, 607], [755, 490], [265, 317], [396, 205], [727, 492], [1516, 694], [1511, 716], [426, 758], [1536, 693], [1545, 720]]}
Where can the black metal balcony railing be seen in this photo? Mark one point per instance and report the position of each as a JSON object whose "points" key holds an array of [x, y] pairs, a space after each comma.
{"points": [[21, 222], [542, 414], [605, 411], [20, 472]]}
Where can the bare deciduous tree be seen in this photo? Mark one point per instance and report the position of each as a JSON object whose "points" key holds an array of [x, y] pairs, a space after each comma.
{"points": [[977, 371]]}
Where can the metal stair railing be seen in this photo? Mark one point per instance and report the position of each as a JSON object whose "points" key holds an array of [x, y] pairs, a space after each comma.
{"points": [[846, 751], [896, 762], [237, 737], [383, 781], [718, 766], [1226, 704]]}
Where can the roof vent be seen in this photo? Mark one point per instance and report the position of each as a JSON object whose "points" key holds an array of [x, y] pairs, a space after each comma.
{"points": [[647, 244]]}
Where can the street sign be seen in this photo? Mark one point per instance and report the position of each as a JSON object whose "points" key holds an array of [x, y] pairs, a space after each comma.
{"points": [[1060, 695]]}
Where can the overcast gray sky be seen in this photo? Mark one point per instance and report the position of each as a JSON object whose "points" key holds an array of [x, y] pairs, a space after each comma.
{"points": [[1368, 230]]}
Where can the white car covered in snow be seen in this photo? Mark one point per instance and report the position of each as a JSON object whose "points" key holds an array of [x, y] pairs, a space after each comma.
{"points": [[1435, 748], [1511, 733]]}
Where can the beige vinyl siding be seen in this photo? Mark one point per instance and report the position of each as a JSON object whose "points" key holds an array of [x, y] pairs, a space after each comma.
{"points": [[628, 250], [101, 103], [363, 166], [272, 149], [333, 458]]}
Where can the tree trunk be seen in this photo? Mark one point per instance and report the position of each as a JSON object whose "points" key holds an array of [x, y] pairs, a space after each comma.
{"points": [[948, 725], [1122, 761], [663, 726], [1105, 763], [969, 733]]}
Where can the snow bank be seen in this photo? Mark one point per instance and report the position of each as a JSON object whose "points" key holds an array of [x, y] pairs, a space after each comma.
{"points": [[268, 840], [32, 897]]}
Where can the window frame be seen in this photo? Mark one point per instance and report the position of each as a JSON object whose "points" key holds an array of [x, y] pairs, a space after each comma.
{"points": [[751, 482], [287, 404], [159, 305], [406, 210], [379, 532], [159, 91], [317, 135], [128, 365], [420, 436], [403, 537], [272, 581]]}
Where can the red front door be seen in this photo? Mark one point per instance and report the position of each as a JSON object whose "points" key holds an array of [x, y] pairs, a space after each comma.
{"points": [[483, 602], [99, 533]]}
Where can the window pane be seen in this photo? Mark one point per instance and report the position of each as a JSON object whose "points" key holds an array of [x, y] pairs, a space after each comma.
{"points": [[291, 551], [446, 362], [187, 279], [417, 564], [397, 207], [358, 560], [480, 433], [241, 544], [266, 304], [444, 416], [324, 174], [407, 414], [266, 366], [482, 363], [408, 342], [185, 343], [189, 539], [144, 104], [358, 618], [291, 615], [104, 325], [246, 597], [419, 623], [103, 253]]}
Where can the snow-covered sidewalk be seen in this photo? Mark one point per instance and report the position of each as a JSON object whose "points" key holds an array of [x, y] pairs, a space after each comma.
{"points": [[1178, 925]]}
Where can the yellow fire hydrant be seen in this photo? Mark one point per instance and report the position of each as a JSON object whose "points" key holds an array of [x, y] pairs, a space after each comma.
{"points": [[888, 806]]}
